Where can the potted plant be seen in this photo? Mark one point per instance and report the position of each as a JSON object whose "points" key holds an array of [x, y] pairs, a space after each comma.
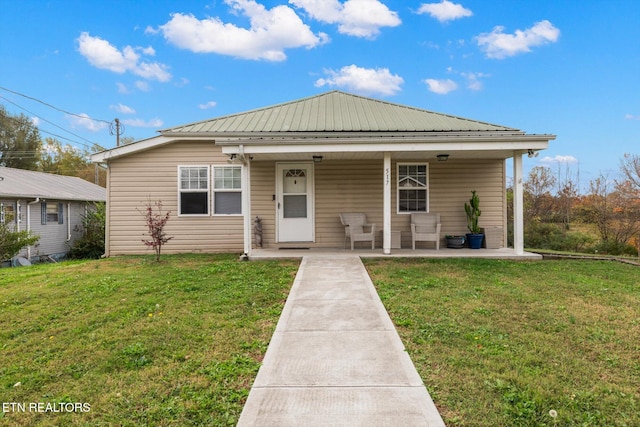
{"points": [[455, 242], [475, 236]]}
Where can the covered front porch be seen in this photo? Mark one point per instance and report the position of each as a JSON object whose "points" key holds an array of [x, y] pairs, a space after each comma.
{"points": [[502, 253], [370, 184]]}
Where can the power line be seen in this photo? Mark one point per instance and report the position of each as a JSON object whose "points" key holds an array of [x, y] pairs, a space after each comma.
{"points": [[51, 106], [51, 123], [56, 135]]}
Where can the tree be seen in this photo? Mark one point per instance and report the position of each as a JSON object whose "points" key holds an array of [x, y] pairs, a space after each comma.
{"points": [[70, 160], [12, 241], [19, 141], [155, 222], [630, 166], [614, 207]]}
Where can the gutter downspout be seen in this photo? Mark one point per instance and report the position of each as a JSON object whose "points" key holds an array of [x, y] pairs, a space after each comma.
{"points": [[68, 221], [37, 200]]}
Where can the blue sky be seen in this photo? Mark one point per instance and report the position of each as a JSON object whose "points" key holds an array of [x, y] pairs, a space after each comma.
{"points": [[565, 67]]}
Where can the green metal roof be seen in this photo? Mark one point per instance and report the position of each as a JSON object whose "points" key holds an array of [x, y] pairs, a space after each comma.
{"points": [[336, 112]]}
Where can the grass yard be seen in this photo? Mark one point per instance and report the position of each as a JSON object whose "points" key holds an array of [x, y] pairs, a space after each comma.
{"points": [[504, 343], [143, 343]]}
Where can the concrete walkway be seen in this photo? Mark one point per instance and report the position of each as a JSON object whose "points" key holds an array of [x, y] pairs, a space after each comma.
{"points": [[335, 357]]}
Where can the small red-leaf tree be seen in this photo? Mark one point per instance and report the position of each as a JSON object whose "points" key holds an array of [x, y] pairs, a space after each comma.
{"points": [[155, 221]]}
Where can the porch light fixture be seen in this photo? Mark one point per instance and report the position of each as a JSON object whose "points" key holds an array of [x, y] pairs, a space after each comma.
{"points": [[232, 158], [531, 153], [442, 157], [317, 159]]}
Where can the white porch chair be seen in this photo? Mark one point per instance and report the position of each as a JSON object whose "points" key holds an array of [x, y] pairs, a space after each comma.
{"points": [[425, 227], [354, 229]]}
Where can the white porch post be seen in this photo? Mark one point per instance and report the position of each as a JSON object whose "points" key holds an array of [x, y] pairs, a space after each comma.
{"points": [[386, 235], [246, 205], [518, 204]]}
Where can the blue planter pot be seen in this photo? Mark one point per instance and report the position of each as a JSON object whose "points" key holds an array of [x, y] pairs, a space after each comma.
{"points": [[475, 240]]}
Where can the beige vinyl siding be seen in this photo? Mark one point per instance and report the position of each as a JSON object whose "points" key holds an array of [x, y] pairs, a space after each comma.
{"points": [[450, 186], [153, 175], [356, 186], [263, 190], [340, 186]]}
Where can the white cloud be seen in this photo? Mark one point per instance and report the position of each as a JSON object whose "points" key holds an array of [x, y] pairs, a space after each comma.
{"points": [[102, 54], [271, 32], [123, 109], [367, 81], [83, 121], [143, 86], [36, 121], [360, 18], [499, 45], [122, 88], [631, 117], [473, 80], [207, 105], [139, 123], [441, 87], [445, 10], [559, 159]]}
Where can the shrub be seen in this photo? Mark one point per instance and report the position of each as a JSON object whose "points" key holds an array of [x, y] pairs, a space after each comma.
{"points": [[552, 236], [611, 247], [12, 241], [91, 244]]}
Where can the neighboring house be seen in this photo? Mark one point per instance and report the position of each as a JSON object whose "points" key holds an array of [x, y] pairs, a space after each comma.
{"points": [[51, 206], [298, 165]]}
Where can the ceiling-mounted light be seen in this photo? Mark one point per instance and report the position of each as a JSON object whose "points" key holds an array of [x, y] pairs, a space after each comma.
{"points": [[442, 157], [531, 153], [317, 159]]}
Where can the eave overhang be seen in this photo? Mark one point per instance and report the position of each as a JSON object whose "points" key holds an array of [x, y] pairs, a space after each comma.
{"points": [[268, 145]]}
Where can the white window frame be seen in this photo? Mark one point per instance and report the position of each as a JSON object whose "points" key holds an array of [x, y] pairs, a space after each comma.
{"points": [[51, 215], [215, 190], [197, 190], [398, 188]]}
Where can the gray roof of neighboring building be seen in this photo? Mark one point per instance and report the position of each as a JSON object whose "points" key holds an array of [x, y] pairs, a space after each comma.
{"points": [[18, 183], [336, 111]]}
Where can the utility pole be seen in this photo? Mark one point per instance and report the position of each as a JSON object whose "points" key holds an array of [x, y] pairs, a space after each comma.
{"points": [[117, 132], [116, 129]]}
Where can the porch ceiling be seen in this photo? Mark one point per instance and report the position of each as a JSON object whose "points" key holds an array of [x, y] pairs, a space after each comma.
{"points": [[429, 155]]}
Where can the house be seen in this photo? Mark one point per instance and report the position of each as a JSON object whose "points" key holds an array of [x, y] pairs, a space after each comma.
{"points": [[51, 206], [299, 164]]}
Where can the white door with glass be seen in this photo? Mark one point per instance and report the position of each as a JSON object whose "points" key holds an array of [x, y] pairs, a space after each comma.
{"points": [[295, 207]]}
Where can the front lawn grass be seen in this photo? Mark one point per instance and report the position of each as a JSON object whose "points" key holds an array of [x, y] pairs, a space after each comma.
{"points": [[177, 342], [506, 343]]}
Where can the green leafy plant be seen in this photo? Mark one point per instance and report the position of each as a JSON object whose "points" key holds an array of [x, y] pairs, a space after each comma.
{"points": [[12, 241], [91, 244], [473, 213]]}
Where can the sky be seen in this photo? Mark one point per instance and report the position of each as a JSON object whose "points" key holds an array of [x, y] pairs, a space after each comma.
{"points": [[565, 67]]}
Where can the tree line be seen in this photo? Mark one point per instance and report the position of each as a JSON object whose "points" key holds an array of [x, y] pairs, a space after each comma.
{"points": [[605, 219]]}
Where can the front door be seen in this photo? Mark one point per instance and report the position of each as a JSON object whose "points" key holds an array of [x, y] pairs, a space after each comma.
{"points": [[295, 202]]}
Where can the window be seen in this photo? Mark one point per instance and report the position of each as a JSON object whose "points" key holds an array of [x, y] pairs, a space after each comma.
{"points": [[413, 188], [51, 212], [7, 213], [227, 190], [194, 190]]}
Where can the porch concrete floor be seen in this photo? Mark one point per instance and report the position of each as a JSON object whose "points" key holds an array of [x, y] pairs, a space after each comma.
{"points": [[502, 253]]}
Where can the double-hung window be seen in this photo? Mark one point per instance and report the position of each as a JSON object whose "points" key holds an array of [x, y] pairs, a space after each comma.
{"points": [[194, 190], [413, 187], [227, 190]]}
